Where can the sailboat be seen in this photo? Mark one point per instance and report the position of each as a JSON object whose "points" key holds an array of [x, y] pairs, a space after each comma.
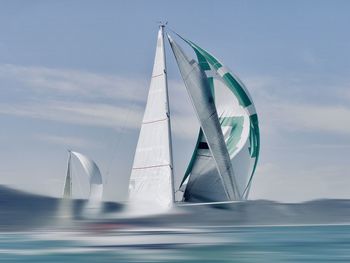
{"points": [[227, 150], [91, 169]]}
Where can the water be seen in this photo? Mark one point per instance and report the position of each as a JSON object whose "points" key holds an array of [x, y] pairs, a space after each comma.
{"points": [[210, 244], [42, 229]]}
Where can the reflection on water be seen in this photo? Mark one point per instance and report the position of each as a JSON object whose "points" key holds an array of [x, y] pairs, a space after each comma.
{"points": [[41, 229]]}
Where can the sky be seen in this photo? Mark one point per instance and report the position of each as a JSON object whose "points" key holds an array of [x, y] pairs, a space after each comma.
{"points": [[75, 75]]}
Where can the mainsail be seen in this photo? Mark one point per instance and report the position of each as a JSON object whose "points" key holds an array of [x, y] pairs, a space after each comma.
{"points": [[239, 125], [151, 181]]}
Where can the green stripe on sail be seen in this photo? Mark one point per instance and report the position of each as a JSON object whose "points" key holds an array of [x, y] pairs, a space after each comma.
{"points": [[212, 60], [254, 150], [237, 89], [202, 61], [236, 124], [203, 64], [209, 58], [254, 136], [230, 81], [211, 85]]}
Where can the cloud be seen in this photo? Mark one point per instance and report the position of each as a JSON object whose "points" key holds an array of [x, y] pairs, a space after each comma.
{"points": [[92, 114], [84, 98], [67, 141], [69, 83], [314, 118], [293, 105], [81, 98]]}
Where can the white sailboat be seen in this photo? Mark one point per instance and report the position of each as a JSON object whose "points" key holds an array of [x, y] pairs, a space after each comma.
{"points": [[228, 144], [91, 169]]}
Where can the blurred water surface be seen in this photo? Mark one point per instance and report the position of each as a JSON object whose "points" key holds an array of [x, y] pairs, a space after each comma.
{"points": [[44, 229], [211, 244]]}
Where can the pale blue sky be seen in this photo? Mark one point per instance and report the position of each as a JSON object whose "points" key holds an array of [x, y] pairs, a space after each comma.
{"points": [[75, 74]]}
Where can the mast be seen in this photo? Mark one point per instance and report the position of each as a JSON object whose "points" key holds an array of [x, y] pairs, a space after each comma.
{"points": [[168, 115], [151, 180], [67, 192]]}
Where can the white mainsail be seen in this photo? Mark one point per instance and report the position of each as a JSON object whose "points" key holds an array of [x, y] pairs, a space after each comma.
{"points": [[151, 181]]}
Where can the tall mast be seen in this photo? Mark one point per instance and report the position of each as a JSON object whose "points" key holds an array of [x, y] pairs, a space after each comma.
{"points": [[162, 26]]}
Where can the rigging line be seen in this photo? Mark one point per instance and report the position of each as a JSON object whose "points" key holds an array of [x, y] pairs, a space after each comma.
{"points": [[172, 30], [118, 139], [152, 166], [148, 122]]}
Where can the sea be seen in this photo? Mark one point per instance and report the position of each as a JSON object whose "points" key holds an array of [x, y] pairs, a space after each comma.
{"points": [[32, 229]]}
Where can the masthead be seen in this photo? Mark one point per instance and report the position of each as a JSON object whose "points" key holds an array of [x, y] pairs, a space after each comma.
{"points": [[162, 23]]}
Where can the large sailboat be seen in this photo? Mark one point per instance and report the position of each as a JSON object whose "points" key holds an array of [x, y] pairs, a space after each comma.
{"points": [[228, 144]]}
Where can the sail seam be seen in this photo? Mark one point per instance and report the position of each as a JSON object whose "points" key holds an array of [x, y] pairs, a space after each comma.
{"points": [[161, 74], [152, 166], [147, 122]]}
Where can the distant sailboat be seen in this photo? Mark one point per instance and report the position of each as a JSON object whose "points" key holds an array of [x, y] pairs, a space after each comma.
{"points": [[95, 179], [227, 149]]}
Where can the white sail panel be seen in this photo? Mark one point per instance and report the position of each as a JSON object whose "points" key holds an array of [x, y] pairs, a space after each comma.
{"points": [[151, 180]]}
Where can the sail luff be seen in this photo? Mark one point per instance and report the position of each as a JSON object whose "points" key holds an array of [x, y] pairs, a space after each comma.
{"points": [[203, 102], [67, 192]]}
